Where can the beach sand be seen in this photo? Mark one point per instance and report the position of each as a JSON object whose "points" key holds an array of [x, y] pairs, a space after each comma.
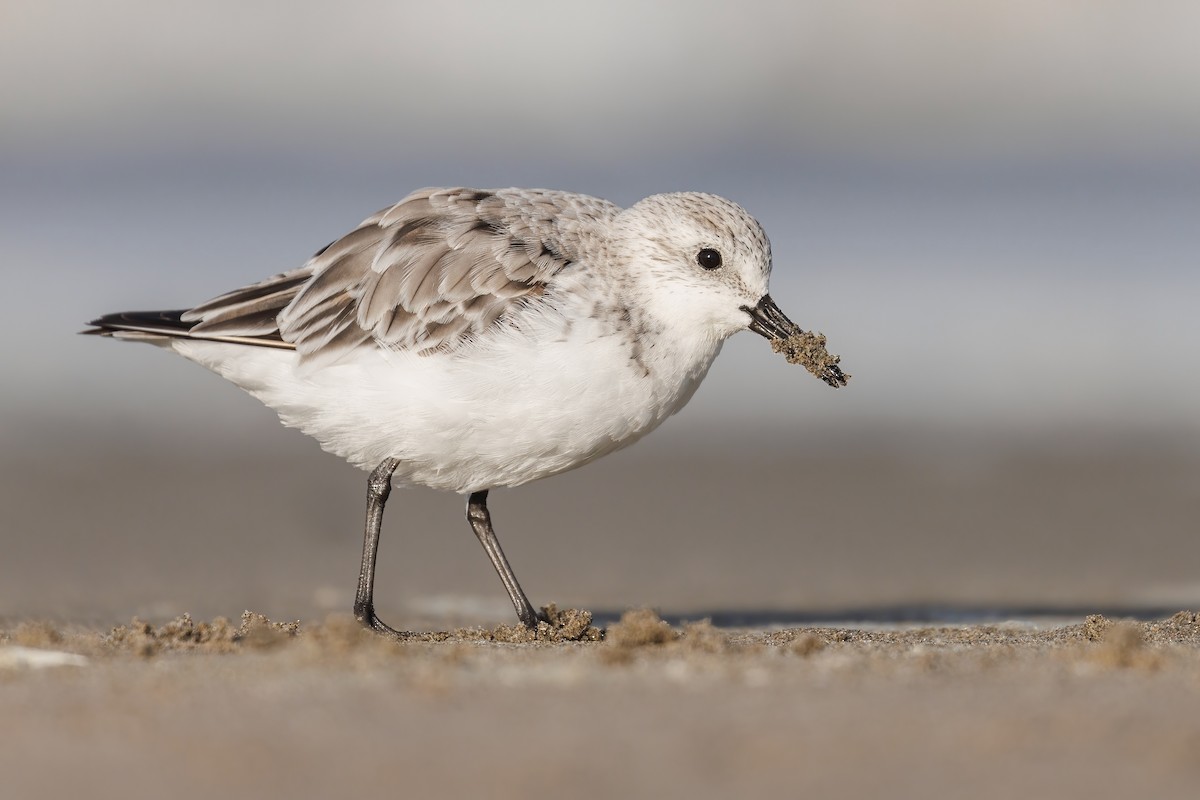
{"points": [[882, 625], [1096, 709]]}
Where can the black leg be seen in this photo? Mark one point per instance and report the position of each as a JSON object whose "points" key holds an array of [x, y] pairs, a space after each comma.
{"points": [[481, 523], [379, 486]]}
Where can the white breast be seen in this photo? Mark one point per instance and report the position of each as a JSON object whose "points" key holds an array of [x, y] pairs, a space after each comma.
{"points": [[524, 406]]}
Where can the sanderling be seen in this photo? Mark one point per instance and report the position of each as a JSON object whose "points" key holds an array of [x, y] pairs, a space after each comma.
{"points": [[466, 339]]}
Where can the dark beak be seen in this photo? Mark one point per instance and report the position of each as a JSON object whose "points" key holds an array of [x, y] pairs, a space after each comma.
{"points": [[767, 320], [798, 346]]}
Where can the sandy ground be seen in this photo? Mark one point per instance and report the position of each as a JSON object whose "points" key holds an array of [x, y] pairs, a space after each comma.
{"points": [[885, 622], [1097, 709]]}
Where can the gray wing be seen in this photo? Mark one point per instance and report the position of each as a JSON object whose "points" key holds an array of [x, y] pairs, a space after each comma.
{"points": [[430, 273]]}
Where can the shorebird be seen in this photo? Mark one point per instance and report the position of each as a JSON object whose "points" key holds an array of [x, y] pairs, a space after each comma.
{"points": [[468, 339]]}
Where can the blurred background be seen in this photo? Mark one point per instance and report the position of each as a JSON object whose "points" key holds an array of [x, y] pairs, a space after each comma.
{"points": [[989, 208]]}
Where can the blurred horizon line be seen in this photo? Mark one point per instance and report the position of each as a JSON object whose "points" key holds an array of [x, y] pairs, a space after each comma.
{"points": [[811, 438]]}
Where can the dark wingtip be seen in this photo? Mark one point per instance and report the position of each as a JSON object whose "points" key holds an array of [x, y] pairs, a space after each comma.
{"points": [[165, 322], [152, 325], [101, 326]]}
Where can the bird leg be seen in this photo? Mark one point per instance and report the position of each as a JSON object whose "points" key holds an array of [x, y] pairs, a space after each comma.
{"points": [[481, 523], [379, 486]]}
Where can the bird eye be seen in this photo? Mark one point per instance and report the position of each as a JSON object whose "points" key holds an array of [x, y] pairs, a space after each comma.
{"points": [[708, 258]]}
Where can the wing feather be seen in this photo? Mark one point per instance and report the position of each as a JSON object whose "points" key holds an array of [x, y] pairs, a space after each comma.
{"points": [[431, 273]]}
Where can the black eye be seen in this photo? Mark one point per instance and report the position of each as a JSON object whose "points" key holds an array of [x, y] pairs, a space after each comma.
{"points": [[708, 258]]}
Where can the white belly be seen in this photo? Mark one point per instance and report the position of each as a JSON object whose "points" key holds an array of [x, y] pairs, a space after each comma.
{"points": [[486, 418]]}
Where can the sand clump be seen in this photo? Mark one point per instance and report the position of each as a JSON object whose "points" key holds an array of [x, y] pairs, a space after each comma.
{"points": [[568, 625], [805, 643], [340, 637], [808, 350], [640, 628], [38, 634], [1123, 644], [704, 637], [219, 636], [643, 631]]}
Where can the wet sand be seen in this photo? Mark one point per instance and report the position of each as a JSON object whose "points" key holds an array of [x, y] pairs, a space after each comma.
{"points": [[884, 623]]}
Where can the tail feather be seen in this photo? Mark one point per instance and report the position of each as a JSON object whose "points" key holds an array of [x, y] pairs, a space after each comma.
{"points": [[153, 325]]}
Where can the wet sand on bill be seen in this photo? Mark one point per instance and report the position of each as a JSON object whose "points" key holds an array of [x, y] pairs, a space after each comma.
{"points": [[862, 624]]}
